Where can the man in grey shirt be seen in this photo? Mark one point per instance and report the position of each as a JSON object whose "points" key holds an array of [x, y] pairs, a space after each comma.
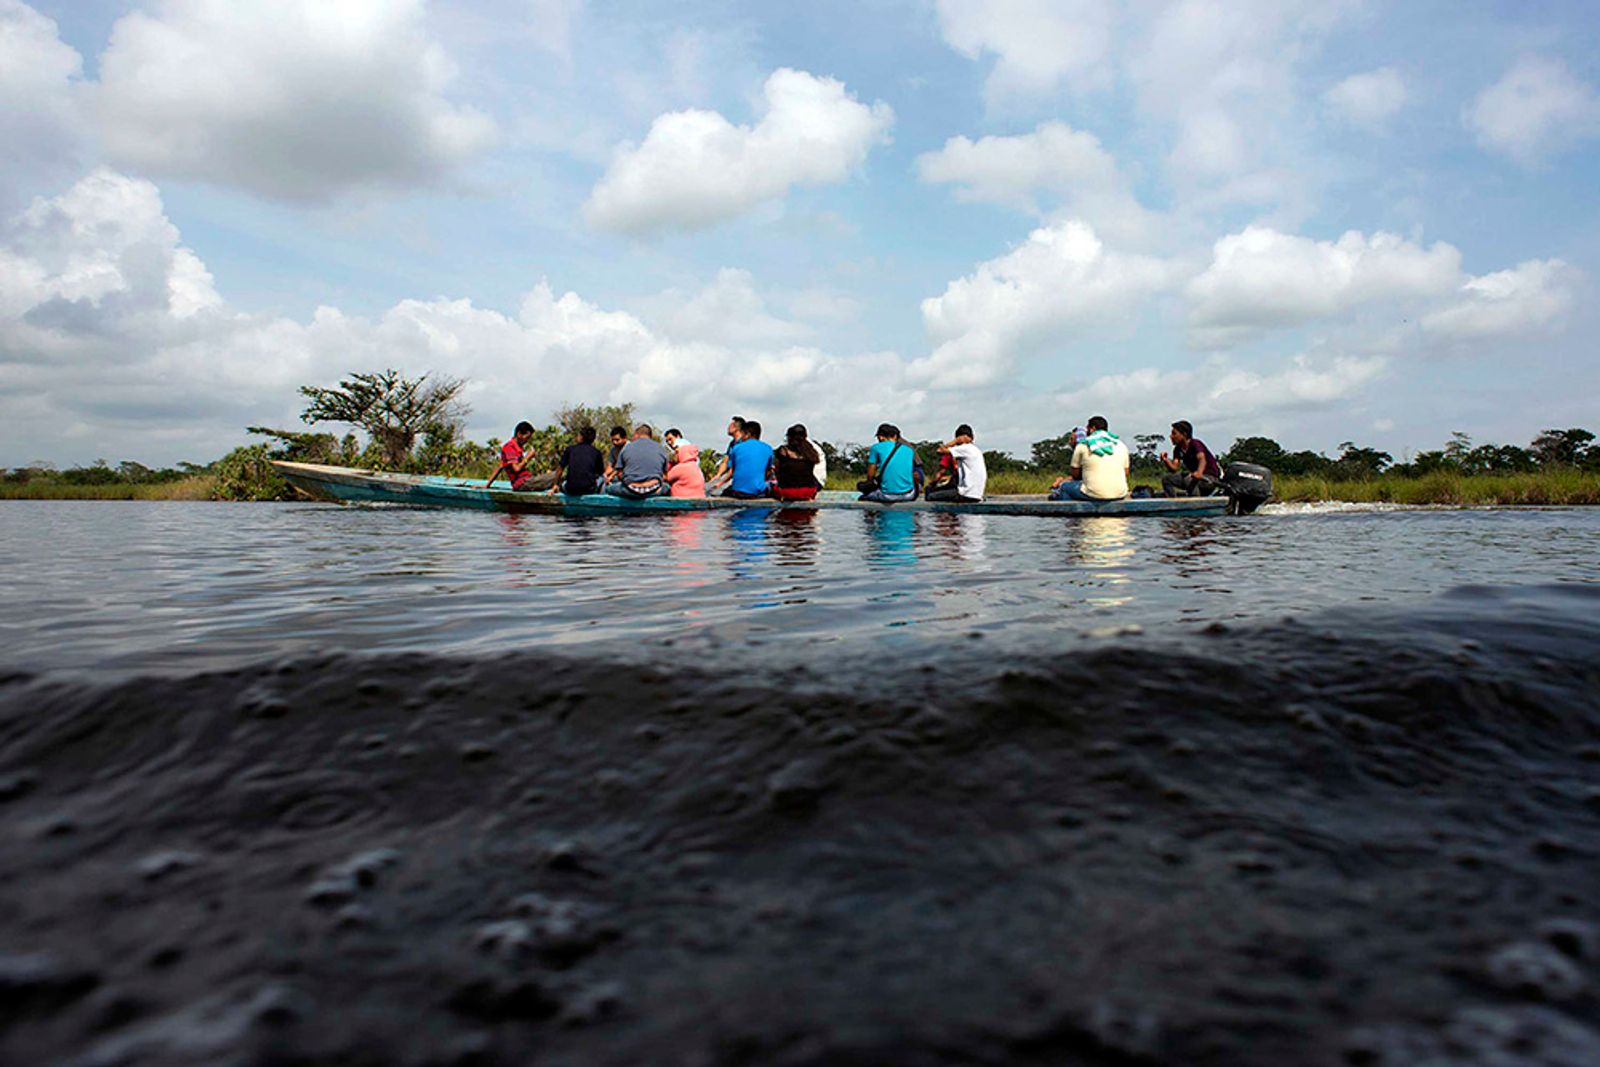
{"points": [[642, 467]]}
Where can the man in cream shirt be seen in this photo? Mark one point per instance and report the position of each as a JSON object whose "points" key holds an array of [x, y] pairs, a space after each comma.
{"points": [[1099, 467]]}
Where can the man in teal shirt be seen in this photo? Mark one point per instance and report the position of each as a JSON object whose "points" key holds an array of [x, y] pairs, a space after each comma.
{"points": [[891, 462]]}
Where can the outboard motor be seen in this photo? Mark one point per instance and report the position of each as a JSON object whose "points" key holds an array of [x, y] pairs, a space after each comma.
{"points": [[1248, 486]]}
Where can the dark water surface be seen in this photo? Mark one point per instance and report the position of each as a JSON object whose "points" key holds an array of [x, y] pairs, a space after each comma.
{"points": [[426, 788], [114, 586]]}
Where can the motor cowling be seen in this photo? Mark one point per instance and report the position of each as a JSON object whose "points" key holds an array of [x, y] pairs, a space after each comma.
{"points": [[1248, 486]]}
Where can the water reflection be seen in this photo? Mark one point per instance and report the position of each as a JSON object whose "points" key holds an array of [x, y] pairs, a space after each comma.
{"points": [[961, 537], [795, 536], [516, 538], [1188, 542], [1105, 547], [891, 537], [685, 538]]}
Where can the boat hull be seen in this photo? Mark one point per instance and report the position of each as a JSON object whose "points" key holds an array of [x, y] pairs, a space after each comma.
{"points": [[347, 485]]}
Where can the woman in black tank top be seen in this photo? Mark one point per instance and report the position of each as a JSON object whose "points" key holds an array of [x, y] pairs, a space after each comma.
{"points": [[796, 462]]}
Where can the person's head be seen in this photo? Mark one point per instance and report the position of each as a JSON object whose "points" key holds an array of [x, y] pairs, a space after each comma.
{"points": [[1181, 432], [672, 437], [524, 432], [1097, 423], [752, 429], [888, 431], [795, 436], [643, 431], [965, 431], [619, 436], [736, 427], [586, 435]]}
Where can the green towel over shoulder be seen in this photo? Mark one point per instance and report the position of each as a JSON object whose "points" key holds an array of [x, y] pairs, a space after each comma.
{"points": [[1101, 442]]}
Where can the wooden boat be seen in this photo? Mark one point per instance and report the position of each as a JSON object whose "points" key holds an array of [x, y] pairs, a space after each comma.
{"points": [[348, 485]]}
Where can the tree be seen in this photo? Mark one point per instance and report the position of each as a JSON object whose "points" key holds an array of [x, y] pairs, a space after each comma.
{"points": [[847, 458], [1053, 453], [1146, 454], [306, 447], [1359, 463], [1562, 448], [391, 408], [1262, 451], [1459, 448], [574, 417]]}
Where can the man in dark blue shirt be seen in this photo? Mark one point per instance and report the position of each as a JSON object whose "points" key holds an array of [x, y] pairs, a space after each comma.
{"points": [[581, 465]]}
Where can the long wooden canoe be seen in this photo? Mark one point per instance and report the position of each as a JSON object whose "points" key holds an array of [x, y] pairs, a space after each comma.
{"points": [[351, 486]]}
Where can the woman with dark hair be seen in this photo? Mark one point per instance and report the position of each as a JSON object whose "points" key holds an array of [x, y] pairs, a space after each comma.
{"points": [[796, 462]]}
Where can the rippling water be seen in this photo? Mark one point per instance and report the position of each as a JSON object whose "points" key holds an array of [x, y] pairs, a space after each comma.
{"points": [[110, 586]]}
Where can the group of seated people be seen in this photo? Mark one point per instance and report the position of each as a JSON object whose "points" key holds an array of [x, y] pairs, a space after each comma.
{"points": [[638, 467]]}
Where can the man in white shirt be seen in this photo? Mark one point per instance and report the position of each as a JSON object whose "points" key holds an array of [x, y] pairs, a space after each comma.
{"points": [[1099, 467], [971, 472]]}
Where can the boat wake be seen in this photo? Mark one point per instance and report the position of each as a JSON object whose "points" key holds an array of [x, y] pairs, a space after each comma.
{"points": [[1372, 839]]}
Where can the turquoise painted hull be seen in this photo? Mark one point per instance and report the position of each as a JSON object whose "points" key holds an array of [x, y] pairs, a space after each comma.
{"points": [[350, 486]]}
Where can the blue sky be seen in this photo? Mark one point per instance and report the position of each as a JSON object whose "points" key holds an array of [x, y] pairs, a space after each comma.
{"points": [[1317, 221]]}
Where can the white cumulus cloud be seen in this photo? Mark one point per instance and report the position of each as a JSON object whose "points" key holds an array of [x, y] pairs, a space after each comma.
{"points": [[1367, 100], [1037, 44], [1261, 278], [695, 168], [299, 101], [1536, 109], [1059, 281], [1055, 161], [1220, 389], [110, 325], [1532, 297], [39, 121]]}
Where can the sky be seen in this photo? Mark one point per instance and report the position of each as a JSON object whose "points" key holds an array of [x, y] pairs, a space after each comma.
{"points": [[1316, 221]]}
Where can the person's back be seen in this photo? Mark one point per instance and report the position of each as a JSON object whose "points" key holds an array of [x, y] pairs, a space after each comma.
{"points": [[583, 465], [748, 460], [796, 471], [685, 476], [642, 460], [894, 460], [1103, 460]]}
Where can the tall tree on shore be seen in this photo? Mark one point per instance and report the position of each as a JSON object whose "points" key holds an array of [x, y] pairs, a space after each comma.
{"points": [[393, 409]]}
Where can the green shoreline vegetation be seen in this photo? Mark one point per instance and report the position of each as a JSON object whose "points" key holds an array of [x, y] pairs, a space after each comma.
{"points": [[415, 425]]}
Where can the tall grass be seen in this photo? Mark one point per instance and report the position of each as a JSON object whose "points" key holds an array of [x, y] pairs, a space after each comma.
{"points": [[1550, 488], [198, 487]]}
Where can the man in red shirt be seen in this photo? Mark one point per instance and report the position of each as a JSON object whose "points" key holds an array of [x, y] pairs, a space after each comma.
{"points": [[515, 461]]}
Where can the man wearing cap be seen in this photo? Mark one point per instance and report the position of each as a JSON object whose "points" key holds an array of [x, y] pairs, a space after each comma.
{"points": [[891, 463]]}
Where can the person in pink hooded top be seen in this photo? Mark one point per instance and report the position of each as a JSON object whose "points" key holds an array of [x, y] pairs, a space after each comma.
{"points": [[685, 476]]}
